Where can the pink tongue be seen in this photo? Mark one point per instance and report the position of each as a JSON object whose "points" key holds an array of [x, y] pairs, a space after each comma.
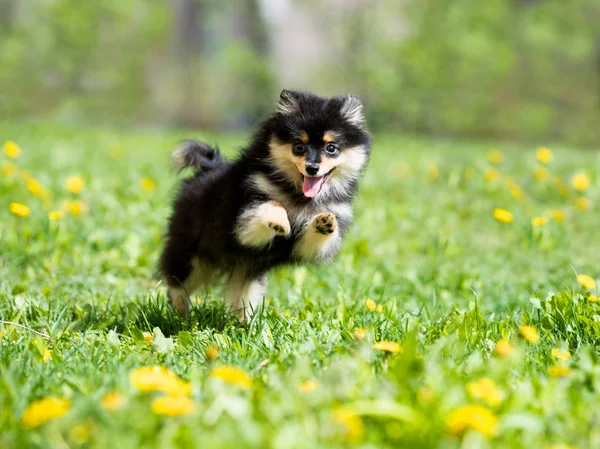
{"points": [[312, 186]]}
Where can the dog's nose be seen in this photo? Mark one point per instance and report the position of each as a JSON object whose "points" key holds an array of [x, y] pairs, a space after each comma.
{"points": [[312, 169]]}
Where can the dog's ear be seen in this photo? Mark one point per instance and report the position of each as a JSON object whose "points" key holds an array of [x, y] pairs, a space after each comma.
{"points": [[352, 110], [288, 102]]}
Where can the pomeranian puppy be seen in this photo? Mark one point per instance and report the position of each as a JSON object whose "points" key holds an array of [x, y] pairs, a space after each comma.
{"points": [[285, 199]]}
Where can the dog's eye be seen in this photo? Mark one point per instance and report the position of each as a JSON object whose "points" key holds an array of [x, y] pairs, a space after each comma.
{"points": [[331, 149], [299, 147]]}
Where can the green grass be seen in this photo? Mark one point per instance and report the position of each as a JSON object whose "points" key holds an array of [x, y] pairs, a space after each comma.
{"points": [[450, 279]]}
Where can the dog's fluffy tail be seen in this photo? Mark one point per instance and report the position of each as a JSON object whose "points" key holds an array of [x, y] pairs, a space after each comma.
{"points": [[198, 155]]}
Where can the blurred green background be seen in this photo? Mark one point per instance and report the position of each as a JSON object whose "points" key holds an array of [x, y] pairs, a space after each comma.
{"points": [[502, 69]]}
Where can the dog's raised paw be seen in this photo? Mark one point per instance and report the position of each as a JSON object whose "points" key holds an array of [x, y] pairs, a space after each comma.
{"points": [[276, 218], [325, 223], [279, 229]]}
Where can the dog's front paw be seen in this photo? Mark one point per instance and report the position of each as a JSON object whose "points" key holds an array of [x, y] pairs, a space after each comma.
{"points": [[276, 219], [325, 223], [279, 228]]}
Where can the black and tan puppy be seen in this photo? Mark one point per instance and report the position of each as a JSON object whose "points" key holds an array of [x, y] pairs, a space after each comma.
{"points": [[285, 199]]}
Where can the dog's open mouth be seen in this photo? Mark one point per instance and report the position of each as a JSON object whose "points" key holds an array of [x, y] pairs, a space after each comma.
{"points": [[313, 184]]}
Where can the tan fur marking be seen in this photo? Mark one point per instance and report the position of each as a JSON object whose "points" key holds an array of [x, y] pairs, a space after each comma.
{"points": [[300, 162], [285, 162], [328, 137], [303, 137]]}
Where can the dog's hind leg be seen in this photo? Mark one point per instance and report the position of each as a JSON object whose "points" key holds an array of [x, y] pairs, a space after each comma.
{"points": [[183, 278], [244, 293], [260, 223], [321, 239]]}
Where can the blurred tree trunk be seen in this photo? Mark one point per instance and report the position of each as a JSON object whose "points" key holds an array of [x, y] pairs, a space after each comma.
{"points": [[198, 41], [7, 8], [598, 71], [247, 24], [188, 29], [189, 36]]}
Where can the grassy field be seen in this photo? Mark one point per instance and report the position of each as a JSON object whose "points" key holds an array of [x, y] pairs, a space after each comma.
{"points": [[491, 335]]}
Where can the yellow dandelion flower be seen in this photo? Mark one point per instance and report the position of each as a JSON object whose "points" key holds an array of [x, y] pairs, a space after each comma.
{"points": [[433, 172], [380, 309], [211, 353], [20, 210], [474, 417], [34, 186], [147, 337], [113, 401], [544, 155], [529, 333], [173, 406], [147, 184], [503, 216], [157, 378], [586, 281], [485, 389], [504, 347], [360, 333], [11, 149], [557, 215], [516, 192], [47, 354], [496, 157], [388, 346], [352, 424], [583, 203], [559, 371], [561, 354], [37, 189], [371, 305], [592, 298], [308, 386], [42, 410], [54, 215], [75, 184], [8, 169], [75, 207], [536, 222], [580, 181], [491, 174], [232, 375], [541, 173]]}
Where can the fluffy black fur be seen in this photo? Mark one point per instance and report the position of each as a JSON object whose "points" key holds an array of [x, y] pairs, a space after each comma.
{"points": [[208, 204]]}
